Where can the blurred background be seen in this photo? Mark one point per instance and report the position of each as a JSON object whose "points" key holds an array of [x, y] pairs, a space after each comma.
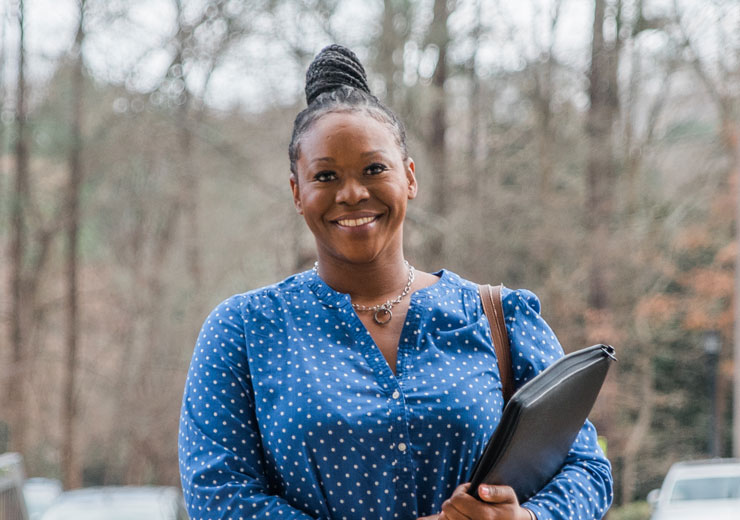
{"points": [[585, 149]]}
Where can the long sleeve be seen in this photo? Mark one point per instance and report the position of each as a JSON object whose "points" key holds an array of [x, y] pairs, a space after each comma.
{"points": [[221, 463], [583, 488]]}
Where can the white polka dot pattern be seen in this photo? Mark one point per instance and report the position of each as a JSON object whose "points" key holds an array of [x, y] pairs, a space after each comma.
{"points": [[291, 411]]}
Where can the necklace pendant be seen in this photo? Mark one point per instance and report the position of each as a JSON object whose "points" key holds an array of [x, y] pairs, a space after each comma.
{"points": [[382, 315]]}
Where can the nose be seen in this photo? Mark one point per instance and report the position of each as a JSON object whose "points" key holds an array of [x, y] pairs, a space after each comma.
{"points": [[351, 192]]}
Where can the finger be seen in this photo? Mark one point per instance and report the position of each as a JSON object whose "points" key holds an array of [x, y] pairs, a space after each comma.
{"points": [[461, 489], [453, 513], [497, 494], [450, 512], [464, 506]]}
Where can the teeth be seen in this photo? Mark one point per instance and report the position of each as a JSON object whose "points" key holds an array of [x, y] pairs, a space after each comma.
{"points": [[354, 222]]}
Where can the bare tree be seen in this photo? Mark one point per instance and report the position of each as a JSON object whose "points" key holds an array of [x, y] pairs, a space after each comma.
{"points": [[3, 87], [395, 25], [601, 169], [722, 89], [544, 89], [179, 219], [435, 142], [71, 466], [638, 138], [18, 246], [476, 162]]}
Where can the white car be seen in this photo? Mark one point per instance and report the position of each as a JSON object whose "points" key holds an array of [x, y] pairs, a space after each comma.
{"points": [[39, 494], [699, 489], [118, 503]]}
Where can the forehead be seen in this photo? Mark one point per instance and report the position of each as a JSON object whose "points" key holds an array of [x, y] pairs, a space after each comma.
{"points": [[345, 132]]}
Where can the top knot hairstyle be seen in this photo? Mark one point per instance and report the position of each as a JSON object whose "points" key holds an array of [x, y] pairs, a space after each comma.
{"points": [[335, 66], [336, 82]]}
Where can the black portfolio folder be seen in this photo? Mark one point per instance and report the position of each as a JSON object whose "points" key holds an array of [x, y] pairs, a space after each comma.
{"points": [[540, 423]]}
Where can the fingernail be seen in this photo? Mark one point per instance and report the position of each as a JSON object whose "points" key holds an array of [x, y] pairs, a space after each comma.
{"points": [[485, 491]]}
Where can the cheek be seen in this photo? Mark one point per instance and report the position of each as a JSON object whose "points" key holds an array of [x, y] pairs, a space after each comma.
{"points": [[398, 196], [314, 204]]}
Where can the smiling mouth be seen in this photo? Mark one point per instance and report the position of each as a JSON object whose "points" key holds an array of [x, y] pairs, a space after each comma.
{"points": [[356, 222]]}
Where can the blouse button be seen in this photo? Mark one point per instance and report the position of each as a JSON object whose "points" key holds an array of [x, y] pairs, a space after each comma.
{"points": [[401, 446], [395, 395]]}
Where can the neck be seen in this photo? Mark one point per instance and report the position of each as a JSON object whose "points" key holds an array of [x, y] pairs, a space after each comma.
{"points": [[367, 283]]}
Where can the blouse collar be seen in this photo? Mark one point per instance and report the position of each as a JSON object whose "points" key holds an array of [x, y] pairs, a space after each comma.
{"points": [[333, 298]]}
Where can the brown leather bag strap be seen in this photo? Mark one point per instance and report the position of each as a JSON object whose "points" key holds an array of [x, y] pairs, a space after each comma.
{"points": [[494, 309]]}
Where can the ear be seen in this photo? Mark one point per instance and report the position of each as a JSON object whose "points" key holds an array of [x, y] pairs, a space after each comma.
{"points": [[411, 178], [296, 193]]}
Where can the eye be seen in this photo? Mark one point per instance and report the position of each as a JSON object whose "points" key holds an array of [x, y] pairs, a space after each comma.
{"points": [[376, 168], [324, 176]]}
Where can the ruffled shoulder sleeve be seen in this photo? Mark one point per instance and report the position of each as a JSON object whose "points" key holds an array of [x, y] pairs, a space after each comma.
{"points": [[534, 346]]}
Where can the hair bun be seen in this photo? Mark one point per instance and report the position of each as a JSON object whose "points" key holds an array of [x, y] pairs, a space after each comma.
{"points": [[334, 67]]}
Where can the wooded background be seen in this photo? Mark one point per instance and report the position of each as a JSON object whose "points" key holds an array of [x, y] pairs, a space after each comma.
{"points": [[585, 149]]}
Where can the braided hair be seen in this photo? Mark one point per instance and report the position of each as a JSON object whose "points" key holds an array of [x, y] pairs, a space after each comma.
{"points": [[336, 82]]}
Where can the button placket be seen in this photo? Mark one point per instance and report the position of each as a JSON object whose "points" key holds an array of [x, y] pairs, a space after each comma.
{"points": [[404, 465]]}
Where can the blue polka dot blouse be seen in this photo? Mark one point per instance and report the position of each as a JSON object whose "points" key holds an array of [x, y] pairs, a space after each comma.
{"points": [[291, 411]]}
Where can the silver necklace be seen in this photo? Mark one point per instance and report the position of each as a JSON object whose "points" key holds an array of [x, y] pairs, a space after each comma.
{"points": [[382, 313]]}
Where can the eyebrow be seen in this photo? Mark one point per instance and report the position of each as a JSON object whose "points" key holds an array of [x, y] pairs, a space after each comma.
{"points": [[322, 159], [379, 151]]}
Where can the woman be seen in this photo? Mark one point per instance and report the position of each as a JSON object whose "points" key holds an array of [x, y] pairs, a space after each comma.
{"points": [[363, 388]]}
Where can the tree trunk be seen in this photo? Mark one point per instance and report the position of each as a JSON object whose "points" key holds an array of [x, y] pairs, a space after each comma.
{"points": [[476, 167], [3, 96], [601, 171], [71, 467], [544, 93], [640, 431], [600, 185], [732, 143], [545, 134], [15, 393], [439, 36], [189, 187], [190, 190], [386, 47]]}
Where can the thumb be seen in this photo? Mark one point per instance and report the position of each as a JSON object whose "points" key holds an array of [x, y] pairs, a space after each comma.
{"points": [[497, 494]]}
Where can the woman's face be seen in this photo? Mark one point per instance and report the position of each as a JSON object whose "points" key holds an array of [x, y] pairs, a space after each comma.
{"points": [[352, 186]]}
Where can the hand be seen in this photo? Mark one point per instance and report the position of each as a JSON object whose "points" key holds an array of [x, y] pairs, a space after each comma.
{"points": [[499, 503], [430, 517]]}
